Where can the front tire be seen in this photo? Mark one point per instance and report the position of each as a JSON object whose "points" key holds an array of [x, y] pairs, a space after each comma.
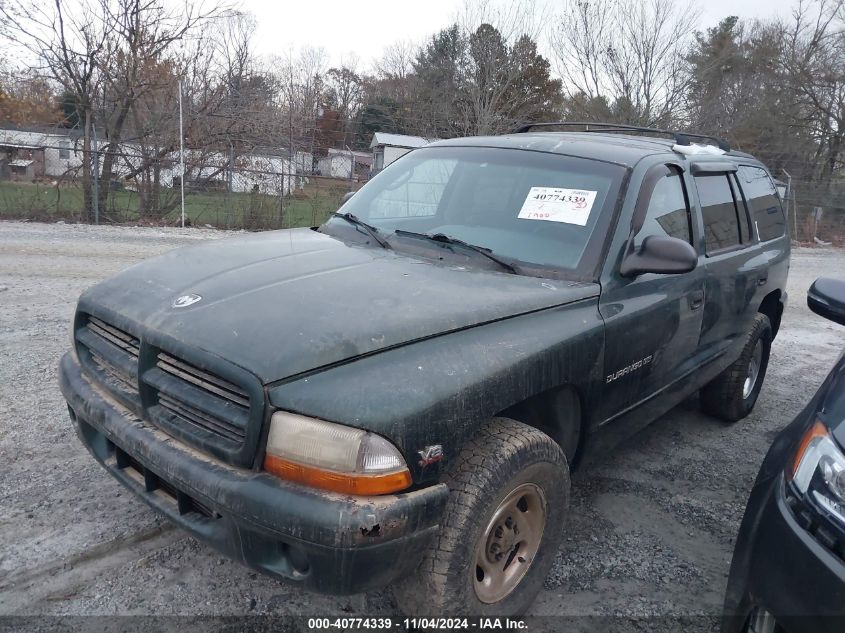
{"points": [[732, 394], [500, 533]]}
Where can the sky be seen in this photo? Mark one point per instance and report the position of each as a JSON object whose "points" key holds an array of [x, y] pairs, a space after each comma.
{"points": [[343, 27]]}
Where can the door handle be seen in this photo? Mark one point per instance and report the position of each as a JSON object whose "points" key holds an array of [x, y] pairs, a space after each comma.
{"points": [[762, 280], [696, 299]]}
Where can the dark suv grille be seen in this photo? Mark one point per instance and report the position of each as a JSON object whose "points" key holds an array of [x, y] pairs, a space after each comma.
{"points": [[199, 406], [113, 355]]}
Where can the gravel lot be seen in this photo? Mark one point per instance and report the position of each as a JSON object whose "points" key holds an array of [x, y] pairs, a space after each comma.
{"points": [[652, 525]]}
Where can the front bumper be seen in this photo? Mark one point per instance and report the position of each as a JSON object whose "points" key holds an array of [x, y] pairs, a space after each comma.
{"points": [[323, 541], [787, 572]]}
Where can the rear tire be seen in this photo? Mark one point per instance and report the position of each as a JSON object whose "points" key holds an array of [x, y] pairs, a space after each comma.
{"points": [[500, 532], [732, 394]]}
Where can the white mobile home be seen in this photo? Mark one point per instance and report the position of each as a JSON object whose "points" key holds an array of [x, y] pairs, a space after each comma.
{"points": [[388, 147], [338, 163], [62, 149]]}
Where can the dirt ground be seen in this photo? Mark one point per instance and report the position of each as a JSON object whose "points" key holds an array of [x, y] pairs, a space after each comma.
{"points": [[652, 527]]}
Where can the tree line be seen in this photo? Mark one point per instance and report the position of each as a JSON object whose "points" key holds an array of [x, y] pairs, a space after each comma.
{"points": [[773, 87]]}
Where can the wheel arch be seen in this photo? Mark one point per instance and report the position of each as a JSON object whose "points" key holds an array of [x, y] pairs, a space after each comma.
{"points": [[557, 412], [772, 307]]}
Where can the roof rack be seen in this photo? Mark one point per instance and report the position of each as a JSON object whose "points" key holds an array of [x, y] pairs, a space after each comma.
{"points": [[681, 138]]}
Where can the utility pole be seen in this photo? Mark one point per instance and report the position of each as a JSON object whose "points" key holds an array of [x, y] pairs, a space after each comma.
{"points": [[231, 166], [181, 155], [96, 177], [351, 167]]}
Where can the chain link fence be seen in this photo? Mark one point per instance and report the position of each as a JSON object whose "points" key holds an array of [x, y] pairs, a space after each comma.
{"points": [[308, 203], [816, 214]]}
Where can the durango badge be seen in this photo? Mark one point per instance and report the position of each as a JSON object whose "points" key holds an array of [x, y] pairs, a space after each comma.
{"points": [[186, 300]]}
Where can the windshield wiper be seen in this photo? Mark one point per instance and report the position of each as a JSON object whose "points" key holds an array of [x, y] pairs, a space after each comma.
{"points": [[446, 239], [356, 221]]}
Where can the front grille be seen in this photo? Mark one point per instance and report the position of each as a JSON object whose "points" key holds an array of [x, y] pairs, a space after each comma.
{"points": [[213, 412], [816, 521], [113, 355], [200, 399]]}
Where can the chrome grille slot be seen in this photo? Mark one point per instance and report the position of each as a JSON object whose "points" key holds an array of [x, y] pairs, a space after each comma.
{"points": [[200, 418], [119, 338], [203, 379], [112, 354], [117, 377]]}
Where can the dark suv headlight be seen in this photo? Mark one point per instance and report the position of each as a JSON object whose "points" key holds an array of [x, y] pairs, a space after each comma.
{"points": [[818, 472], [333, 456]]}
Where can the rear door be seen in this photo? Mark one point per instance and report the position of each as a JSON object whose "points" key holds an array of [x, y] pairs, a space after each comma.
{"points": [[733, 268], [652, 322]]}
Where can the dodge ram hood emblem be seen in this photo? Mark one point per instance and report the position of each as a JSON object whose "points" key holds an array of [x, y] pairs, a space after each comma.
{"points": [[186, 300]]}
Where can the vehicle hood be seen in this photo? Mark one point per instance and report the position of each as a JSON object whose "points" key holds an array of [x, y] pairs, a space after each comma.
{"points": [[285, 302]]}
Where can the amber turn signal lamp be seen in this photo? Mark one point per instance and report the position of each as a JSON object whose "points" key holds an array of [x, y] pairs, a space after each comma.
{"points": [[818, 430], [346, 483]]}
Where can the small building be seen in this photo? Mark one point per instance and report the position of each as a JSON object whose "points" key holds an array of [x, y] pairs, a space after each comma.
{"points": [[346, 164], [59, 149], [267, 172], [21, 163], [388, 147]]}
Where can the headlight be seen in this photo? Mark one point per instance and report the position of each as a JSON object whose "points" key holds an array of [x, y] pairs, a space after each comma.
{"points": [[818, 471], [333, 456]]}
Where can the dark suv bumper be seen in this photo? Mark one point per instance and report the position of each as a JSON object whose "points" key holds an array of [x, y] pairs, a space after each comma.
{"points": [[785, 570], [323, 541]]}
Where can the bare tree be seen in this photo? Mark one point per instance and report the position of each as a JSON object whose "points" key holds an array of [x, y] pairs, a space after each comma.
{"points": [[397, 61], [345, 93], [144, 31], [301, 81], [815, 62], [101, 52], [628, 54], [69, 48], [513, 19]]}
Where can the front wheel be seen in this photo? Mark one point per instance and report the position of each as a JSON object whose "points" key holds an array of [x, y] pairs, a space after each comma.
{"points": [[509, 496], [732, 394]]}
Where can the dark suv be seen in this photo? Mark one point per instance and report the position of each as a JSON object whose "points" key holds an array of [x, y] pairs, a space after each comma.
{"points": [[397, 396]]}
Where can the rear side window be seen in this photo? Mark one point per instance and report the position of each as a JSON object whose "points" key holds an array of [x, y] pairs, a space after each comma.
{"points": [[763, 202], [718, 211], [668, 210]]}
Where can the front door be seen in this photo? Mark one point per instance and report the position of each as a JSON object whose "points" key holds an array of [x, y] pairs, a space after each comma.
{"points": [[652, 322]]}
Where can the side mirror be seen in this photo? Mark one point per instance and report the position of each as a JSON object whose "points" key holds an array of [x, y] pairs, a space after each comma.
{"points": [[346, 197], [662, 255], [826, 298]]}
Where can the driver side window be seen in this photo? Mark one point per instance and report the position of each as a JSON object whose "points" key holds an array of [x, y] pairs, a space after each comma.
{"points": [[668, 210]]}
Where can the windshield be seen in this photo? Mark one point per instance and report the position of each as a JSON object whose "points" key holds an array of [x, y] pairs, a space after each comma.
{"points": [[533, 207]]}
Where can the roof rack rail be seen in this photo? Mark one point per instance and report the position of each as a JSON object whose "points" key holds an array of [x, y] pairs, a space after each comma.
{"points": [[681, 138]]}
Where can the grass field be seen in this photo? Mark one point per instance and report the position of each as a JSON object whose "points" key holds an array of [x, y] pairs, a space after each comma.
{"points": [[305, 207]]}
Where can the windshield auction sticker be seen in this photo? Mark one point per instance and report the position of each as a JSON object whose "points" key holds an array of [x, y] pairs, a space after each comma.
{"points": [[572, 206]]}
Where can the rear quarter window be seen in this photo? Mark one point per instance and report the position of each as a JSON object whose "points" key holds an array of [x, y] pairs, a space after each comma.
{"points": [[763, 202], [718, 212]]}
